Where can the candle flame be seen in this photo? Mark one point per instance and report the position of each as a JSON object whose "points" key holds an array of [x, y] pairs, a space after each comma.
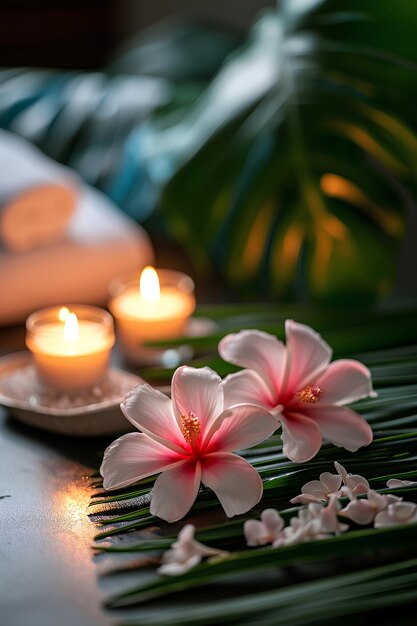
{"points": [[71, 328], [149, 285], [63, 313]]}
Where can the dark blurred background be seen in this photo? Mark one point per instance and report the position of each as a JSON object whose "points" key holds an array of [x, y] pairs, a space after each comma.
{"points": [[83, 34], [269, 148]]}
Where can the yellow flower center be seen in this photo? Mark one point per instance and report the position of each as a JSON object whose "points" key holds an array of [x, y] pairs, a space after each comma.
{"points": [[310, 394], [190, 427]]}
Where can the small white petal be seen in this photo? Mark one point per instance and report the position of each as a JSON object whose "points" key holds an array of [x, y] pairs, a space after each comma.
{"points": [[397, 513], [177, 568], [255, 533], [404, 511], [272, 520], [377, 500], [359, 511], [305, 499], [331, 482], [392, 483]]}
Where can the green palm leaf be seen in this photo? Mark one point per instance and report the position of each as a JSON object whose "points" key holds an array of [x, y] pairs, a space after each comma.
{"points": [[289, 174], [361, 571]]}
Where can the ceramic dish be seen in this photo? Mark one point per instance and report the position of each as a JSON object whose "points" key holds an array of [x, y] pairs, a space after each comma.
{"points": [[89, 413]]}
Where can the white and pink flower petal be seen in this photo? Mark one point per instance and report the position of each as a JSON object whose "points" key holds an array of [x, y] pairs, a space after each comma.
{"points": [[247, 386], [340, 425], [308, 356], [315, 488], [241, 426], [186, 553], [345, 381], [151, 412], [258, 351], [356, 483], [132, 457], [266, 530], [175, 491], [394, 483], [301, 437], [235, 482], [397, 513], [198, 391], [331, 482], [359, 511], [255, 533]]}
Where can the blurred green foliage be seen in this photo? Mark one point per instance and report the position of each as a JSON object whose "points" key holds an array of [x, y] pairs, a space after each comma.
{"points": [[285, 165], [293, 172]]}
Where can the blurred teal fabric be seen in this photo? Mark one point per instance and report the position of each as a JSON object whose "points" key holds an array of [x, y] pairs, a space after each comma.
{"points": [[92, 121]]}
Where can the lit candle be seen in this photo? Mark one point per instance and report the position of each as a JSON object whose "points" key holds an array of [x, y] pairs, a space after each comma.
{"points": [[70, 346], [155, 309]]}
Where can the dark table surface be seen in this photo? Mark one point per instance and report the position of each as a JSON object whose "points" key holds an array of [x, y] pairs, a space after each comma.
{"points": [[49, 574]]}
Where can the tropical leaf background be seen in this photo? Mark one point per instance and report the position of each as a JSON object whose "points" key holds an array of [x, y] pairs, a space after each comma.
{"points": [[364, 572], [290, 173], [284, 164]]}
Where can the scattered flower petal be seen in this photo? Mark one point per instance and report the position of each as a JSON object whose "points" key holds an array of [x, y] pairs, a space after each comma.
{"points": [[319, 490], [300, 386], [328, 516], [306, 526], [313, 522], [267, 530], [356, 483], [186, 553], [330, 484], [188, 440], [392, 483], [363, 511], [397, 513]]}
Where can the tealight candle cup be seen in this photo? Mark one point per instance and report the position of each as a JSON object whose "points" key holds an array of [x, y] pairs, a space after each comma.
{"points": [[139, 321], [70, 365]]}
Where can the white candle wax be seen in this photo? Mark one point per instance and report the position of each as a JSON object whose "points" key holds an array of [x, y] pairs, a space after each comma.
{"points": [[70, 361], [142, 317]]}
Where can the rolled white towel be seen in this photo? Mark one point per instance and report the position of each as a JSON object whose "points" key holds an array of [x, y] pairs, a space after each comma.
{"points": [[99, 245], [37, 196]]}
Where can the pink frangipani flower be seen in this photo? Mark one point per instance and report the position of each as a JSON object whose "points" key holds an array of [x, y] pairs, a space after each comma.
{"points": [[190, 439], [301, 388]]}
